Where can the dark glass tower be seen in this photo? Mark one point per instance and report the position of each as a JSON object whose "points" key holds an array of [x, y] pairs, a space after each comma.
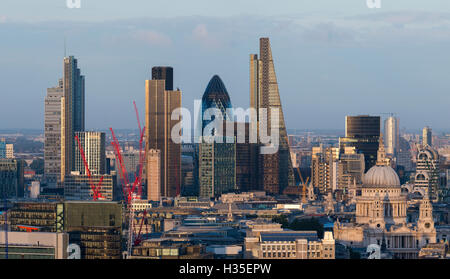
{"points": [[163, 73], [215, 96], [363, 133]]}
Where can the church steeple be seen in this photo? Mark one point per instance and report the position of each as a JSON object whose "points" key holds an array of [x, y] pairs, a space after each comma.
{"points": [[382, 160]]}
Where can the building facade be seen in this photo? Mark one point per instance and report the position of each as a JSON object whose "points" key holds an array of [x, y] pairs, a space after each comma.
{"points": [[264, 94], [160, 104], [93, 145], [11, 178], [154, 175]]}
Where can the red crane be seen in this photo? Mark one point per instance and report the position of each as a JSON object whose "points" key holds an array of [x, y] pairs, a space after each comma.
{"points": [[95, 189]]}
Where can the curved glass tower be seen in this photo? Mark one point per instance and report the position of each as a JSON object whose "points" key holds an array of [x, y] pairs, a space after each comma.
{"points": [[215, 96]]}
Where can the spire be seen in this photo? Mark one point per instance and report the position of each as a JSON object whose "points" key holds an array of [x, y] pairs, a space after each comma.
{"points": [[381, 156]]}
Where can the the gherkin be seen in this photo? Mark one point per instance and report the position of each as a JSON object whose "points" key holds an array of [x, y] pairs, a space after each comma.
{"points": [[215, 96]]}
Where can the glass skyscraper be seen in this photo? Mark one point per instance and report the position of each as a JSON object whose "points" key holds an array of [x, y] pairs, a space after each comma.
{"points": [[276, 171]]}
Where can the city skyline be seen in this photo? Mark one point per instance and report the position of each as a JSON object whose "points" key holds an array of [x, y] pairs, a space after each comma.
{"points": [[348, 70]]}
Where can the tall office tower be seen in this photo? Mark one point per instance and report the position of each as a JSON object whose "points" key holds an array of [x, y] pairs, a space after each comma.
{"points": [[363, 133], [159, 104], [427, 136], [11, 178], [2, 148], [215, 97], [217, 168], [246, 161], [264, 93], [427, 172], [10, 151], [324, 169], [52, 133], [404, 157], [154, 175], [93, 144], [391, 135], [164, 73], [72, 112]]}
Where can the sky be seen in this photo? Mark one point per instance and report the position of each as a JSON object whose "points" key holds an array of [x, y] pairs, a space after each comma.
{"points": [[332, 58]]}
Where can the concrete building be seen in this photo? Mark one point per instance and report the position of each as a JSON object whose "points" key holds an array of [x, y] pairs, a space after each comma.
{"points": [[34, 245], [154, 175], [324, 169], [52, 133], [160, 104], [291, 245]]}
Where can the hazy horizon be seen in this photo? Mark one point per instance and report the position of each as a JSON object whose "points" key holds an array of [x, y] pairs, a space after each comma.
{"points": [[331, 59]]}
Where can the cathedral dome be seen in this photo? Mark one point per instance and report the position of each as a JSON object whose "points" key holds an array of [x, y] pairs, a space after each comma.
{"points": [[381, 176]]}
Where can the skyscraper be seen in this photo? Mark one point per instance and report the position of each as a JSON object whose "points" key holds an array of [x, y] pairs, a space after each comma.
{"points": [[72, 112], [215, 97], [391, 135], [363, 133], [159, 105], [427, 136], [93, 144], [52, 133], [264, 93], [164, 73]]}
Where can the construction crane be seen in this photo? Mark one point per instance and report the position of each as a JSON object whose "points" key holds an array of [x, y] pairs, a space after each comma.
{"points": [[304, 200], [131, 191], [95, 189]]}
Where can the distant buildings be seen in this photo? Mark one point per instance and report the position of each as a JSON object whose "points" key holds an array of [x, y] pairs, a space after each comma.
{"points": [[427, 137], [391, 135], [2, 149], [9, 151], [363, 133], [159, 103]]}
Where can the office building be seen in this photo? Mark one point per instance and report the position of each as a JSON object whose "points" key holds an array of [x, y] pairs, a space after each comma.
{"points": [[217, 168], [52, 133], [324, 169], [264, 94], [391, 135], [291, 245], [427, 172], [160, 104], [11, 178], [363, 133], [72, 112], [427, 136], [247, 155], [215, 97], [164, 73], [79, 186], [34, 246], [154, 175], [93, 145]]}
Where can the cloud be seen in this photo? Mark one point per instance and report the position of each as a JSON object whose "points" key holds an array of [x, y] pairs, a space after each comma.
{"points": [[152, 38], [202, 35]]}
